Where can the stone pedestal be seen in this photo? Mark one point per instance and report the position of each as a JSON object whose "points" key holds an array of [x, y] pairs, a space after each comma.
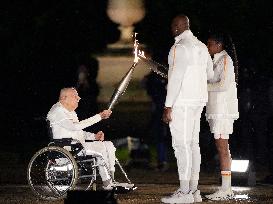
{"points": [[119, 57], [112, 68]]}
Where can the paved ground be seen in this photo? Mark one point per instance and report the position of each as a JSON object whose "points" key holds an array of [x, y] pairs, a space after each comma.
{"points": [[152, 186], [146, 193]]}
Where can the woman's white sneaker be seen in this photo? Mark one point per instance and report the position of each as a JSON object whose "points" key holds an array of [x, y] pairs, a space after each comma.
{"points": [[221, 195]]}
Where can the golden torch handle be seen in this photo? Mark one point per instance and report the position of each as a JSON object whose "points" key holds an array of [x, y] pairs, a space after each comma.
{"points": [[123, 84]]}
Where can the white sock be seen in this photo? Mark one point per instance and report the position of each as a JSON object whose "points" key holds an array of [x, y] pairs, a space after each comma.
{"points": [[193, 185], [226, 180], [184, 186]]}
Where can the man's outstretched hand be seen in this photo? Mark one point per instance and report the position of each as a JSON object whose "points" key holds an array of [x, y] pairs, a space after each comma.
{"points": [[105, 114]]}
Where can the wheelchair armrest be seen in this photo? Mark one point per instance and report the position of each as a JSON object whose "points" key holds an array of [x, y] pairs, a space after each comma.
{"points": [[75, 145], [91, 140], [62, 142]]}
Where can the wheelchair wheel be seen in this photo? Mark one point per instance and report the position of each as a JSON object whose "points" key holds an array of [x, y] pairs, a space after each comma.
{"points": [[52, 171]]}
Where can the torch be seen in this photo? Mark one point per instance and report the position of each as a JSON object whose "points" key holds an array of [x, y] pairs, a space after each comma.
{"points": [[123, 84], [154, 66], [120, 90]]}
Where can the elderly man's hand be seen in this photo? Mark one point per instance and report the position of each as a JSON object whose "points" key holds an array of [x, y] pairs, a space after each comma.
{"points": [[167, 115], [99, 136], [105, 114]]}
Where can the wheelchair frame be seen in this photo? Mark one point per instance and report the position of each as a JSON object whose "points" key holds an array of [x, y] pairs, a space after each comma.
{"points": [[54, 170], [68, 166]]}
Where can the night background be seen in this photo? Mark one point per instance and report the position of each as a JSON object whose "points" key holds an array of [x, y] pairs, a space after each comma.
{"points": [[43, 43]]}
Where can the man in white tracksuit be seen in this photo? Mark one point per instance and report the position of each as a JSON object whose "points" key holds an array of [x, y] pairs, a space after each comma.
{"points": [[190, 66], [65, 124]]}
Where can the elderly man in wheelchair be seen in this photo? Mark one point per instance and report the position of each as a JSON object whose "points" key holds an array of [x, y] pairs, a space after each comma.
{"points": [[73, 154]]}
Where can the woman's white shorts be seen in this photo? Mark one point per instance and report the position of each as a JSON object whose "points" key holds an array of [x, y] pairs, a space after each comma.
{"points": [[221, 126]]}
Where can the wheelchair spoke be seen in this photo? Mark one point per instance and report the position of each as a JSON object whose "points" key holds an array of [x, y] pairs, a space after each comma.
{"points": [[52, 172]]}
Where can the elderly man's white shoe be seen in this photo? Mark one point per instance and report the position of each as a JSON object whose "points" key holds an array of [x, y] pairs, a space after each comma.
{"points": [[109, 187]]}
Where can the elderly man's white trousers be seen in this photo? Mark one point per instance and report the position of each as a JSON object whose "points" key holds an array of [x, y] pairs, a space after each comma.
{"points": [[185, 128], [107, 150]]}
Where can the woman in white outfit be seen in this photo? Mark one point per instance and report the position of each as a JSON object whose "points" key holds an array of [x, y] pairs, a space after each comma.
{"points": [[222, 106]]}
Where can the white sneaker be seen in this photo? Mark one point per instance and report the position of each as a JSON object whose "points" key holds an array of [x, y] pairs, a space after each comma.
{"points": [[178, 197], [221, 195], [196, 196]]}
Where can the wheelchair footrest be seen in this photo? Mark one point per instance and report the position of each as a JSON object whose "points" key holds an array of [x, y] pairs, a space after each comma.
{"points": [[124, 187]]}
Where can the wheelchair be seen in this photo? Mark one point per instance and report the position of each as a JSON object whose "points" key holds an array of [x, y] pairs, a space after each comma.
{"points": [[62, 166]]}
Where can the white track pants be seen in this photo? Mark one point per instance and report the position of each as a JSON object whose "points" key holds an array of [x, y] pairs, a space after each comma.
{"points": [[185, 128], [107, 150]]}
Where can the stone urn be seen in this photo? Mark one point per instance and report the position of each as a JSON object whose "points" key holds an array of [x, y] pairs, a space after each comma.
{"points": [[125, 13]]}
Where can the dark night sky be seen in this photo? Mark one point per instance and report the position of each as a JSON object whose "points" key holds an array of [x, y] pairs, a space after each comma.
{"points": [[43, 41]]}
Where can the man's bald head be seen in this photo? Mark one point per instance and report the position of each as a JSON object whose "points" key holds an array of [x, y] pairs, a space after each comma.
{"points": [[179, 24], [65, 92], [69, 98]]}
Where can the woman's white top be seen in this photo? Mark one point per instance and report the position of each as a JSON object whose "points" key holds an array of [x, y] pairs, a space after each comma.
{"points": [[222, 91]]}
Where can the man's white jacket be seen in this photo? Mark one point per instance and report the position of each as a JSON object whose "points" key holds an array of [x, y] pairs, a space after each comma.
{"points": [[190, 66], [65, 124]]}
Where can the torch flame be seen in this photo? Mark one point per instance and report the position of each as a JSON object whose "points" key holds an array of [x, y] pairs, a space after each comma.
{"points": [[137, 52], [136, 49], [141, 54]]}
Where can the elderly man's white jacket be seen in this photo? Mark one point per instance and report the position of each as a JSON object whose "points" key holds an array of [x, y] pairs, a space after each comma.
{"points": [[65, 124], [190, 66]]}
